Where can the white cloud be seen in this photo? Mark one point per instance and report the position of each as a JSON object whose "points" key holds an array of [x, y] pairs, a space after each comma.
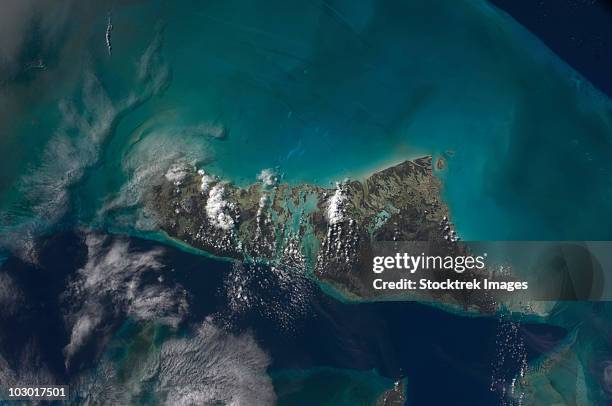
{"points": [[176, 173], [205, 367], [217, 208], [207, 181], [268, 177], [336, 206], [112, 284], [85, 126]]}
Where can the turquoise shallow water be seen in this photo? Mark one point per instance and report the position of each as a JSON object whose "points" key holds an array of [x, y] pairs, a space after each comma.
{"points": [[322, 91], [328, 91]]}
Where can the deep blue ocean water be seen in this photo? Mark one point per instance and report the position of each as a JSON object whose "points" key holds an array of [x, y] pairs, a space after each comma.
{"points": [[584, 40], [443, 358]]}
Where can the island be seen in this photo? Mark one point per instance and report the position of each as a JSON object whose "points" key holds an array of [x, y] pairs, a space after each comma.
{"points": [[327, 233]]}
